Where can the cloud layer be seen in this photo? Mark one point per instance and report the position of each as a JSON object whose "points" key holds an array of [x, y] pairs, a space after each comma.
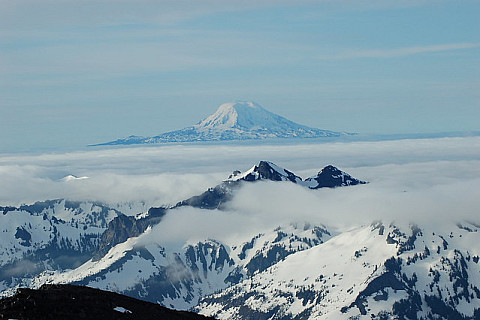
{"points": [[433, 193], [430, 181]]}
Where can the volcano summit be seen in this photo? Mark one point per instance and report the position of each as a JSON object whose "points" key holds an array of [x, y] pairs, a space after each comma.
{"points": [[241, 120]]}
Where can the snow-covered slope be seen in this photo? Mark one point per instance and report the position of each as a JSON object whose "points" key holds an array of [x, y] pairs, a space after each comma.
{"points": [[375, 271], [241, 120], [369, 272], [249, 118], [178, 278], [55, 234]]}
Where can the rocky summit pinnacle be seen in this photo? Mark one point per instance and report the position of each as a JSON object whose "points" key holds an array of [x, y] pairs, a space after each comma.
{"points": [[240, 120], [331, 177], [265, 170], [328, 177]]}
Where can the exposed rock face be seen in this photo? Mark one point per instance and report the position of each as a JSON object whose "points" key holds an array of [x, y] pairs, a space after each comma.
{"points": [[74, 302], [123, 227], [332, 177], [265, 170], [213, 198]]}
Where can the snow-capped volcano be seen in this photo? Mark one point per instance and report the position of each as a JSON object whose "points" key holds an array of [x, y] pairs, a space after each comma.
{"points": [[240, 120], [243, 116], [246, 115]]}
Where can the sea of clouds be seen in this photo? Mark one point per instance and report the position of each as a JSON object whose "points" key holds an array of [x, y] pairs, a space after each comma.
{"points": [[429, 181]]}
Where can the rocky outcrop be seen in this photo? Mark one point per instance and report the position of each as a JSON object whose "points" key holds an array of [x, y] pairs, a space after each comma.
{"points": [[75, 302]]}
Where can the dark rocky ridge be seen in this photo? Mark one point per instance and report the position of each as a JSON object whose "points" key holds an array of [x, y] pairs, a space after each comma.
{"points": [[215, 198], [75, 302], [123, 227], [265, 170], [332, 177]]}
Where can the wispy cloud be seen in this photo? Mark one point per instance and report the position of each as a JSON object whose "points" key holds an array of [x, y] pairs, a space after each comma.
{"points": [[397, 52]]}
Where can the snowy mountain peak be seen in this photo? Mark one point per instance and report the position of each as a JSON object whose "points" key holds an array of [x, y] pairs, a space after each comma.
{"points": [[265, 170], [243, 115], [216, 197], [331, 177], [240, 120], [330, 170], [72, 177], [240, 114], [239, 107], [328, 177]]}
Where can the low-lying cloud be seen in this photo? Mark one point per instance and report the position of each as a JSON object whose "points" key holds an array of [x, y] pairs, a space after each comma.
{"points": [[412, 180], [424, 199]]}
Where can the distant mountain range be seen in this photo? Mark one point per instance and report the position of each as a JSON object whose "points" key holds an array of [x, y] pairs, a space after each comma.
{"points": [[241, 120], [62, 234]]}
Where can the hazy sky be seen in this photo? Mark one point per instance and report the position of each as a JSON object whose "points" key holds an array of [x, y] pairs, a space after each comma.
{"points": [[81, 72]]}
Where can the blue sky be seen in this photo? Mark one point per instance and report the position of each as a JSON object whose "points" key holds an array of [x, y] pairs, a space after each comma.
{"points": [[79, 72]]}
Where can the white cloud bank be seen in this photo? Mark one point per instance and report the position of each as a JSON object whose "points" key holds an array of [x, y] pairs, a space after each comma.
{"points": [[429, 181], [169, 173], [431, 193]]}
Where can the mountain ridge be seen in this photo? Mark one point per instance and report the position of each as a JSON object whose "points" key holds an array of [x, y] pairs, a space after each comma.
{"points": [[64, 234], [215, 198], [74, 302]]}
